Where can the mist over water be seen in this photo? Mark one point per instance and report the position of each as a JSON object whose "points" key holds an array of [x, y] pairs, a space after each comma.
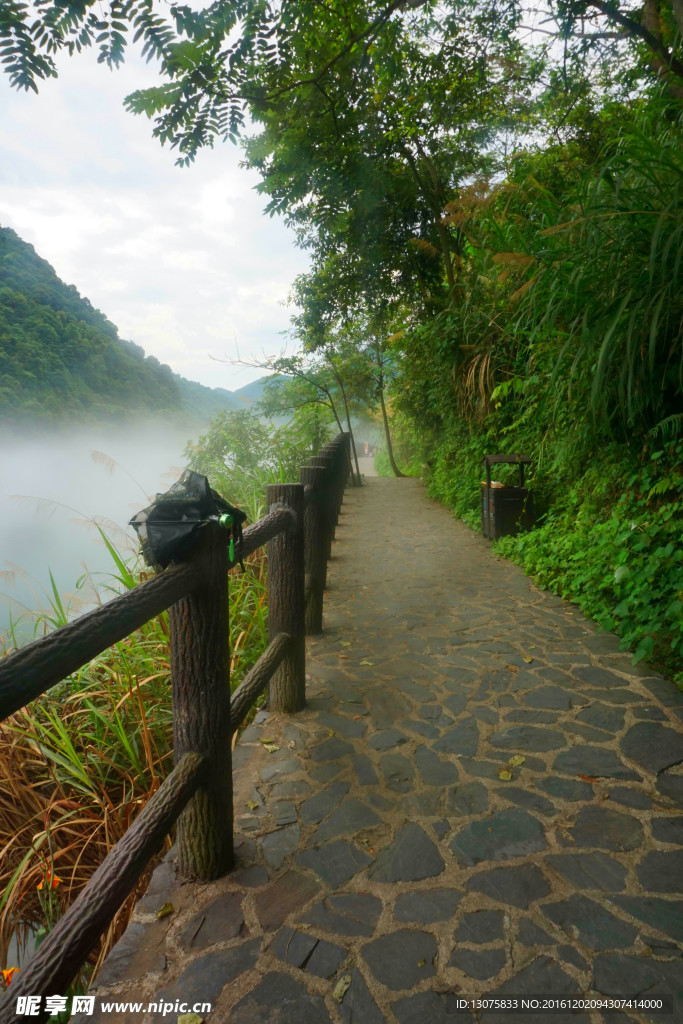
{"points": [[58, 469]]}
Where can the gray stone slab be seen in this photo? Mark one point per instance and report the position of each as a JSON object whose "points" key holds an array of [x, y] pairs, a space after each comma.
{"points": [[478, 963], [467, 798], [252, 876], [668, 830], [326, 959], [357, 1004], [590, 870], [139, 951], [665, 690], [277, 769], [220, 920], [528, 738], [365, 773], [480, 769], [290, 788], [595, 762], [349, 818], [427, 905], [411, 857], [603, 716], [596, 676], [630, 797], [652, 745], [501, 836], [515, 886], [288, 894], [571, 790], [319, 806], [345, 914], [293, 1002], [527, 798], [661, 871], [387, 739], [433, 770], [283, 812], [455, 703], [529, 934], [398, 772], [603, 829], [594, 926], [204, 979], [430, 732], [331, 749], [569, 955], [327, 772], [523, 716], [671, 787], [480, 926], [664, 915], [277, 846], [461, 739], [336, 863], [349, 728], [402, 959], [293, 946], [551, 698], [620, 974]]}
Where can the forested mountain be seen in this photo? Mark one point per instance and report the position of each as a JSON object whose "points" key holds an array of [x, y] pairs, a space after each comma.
{"points": [[60, 358]]}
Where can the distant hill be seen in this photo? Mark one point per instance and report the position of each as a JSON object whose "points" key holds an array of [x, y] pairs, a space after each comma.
{"points": [[61, 359], [252, 393]]}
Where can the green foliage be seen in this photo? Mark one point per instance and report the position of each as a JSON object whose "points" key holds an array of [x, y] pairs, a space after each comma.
{"points": [[60, 357], [619, 559]]}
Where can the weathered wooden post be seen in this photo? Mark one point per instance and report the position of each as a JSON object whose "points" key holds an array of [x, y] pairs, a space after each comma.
{"points": [[326, 463], [200, 671], [286, 600], [315, 556]]}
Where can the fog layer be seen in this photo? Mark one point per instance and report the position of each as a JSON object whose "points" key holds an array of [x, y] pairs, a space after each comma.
{"points": [[43, 473]]}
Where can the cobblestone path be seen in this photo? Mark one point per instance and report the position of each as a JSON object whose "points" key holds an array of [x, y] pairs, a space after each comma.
{"points": [[482, 796]]}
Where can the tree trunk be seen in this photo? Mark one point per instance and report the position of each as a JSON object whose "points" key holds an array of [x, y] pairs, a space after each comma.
{"points": [[385, 419], [358, 480]]}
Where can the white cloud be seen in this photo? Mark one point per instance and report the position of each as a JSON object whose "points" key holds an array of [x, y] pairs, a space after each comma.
{"points": [[182, 260]]}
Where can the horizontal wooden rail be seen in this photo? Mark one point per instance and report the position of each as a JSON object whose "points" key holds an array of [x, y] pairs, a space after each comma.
{"points": [[33, 669], [257, 678], [64, 951], [260, 533]]}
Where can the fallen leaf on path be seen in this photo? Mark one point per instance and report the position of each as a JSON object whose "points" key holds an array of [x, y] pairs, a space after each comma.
{"points": [[266, 739], [421, 963], [527, 659], [342, 655], [345, 643], [271, 747], [190, 1018], [588, 778], [341, 988], [516, 760], [164, 911], [251, 804], [366, 662], [505, 774]]}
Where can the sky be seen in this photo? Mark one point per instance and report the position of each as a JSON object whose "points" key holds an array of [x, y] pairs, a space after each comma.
{"points": [[183, 261]]}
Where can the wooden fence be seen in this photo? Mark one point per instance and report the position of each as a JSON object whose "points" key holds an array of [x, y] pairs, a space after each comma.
{"points": [[197, 795]]}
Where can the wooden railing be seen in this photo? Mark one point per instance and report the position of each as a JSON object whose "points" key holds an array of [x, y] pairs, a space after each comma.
{"points": [[197, 795]]}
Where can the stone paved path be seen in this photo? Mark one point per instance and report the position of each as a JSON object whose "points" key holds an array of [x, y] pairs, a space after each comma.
{"points": [[482, 796]]}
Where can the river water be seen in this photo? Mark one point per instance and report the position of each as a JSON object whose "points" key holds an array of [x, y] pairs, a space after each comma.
{"points": [[53, 485]]}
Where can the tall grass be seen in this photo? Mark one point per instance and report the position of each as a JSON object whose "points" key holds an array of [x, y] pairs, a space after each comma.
{"points": [[79, 763]]}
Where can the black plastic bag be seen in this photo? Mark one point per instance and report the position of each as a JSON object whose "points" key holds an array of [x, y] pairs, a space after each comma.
{"points": [[171, 525]]}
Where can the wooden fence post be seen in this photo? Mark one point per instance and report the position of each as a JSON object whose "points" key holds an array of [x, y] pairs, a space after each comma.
{"points": [[200, 671], [326, 463], [315, 562], [286, 600]]}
